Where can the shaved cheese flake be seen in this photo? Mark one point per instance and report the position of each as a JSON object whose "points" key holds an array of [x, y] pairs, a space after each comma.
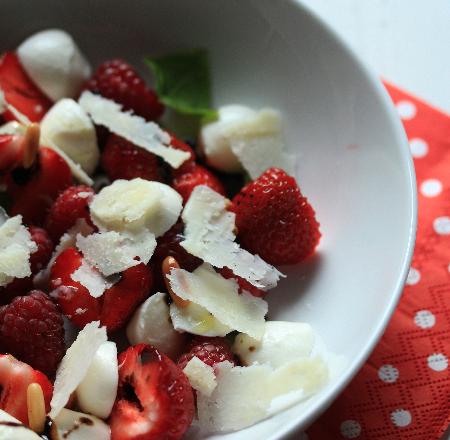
{"points": [[201, 376], [75, 364], [209, 235], [147, 135], [197, 320], [16, 246], [282, 343], [92, 279], [113, 252], [244, 395], [220, 297]]}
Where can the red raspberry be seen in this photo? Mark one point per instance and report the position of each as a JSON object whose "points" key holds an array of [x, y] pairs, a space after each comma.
{"points": [[117, 80], [32, 329], [243, 283], [41, 257], [169, 245], [196, 175], [70, 205], [123, 160], [211, 351], [274, 220]]}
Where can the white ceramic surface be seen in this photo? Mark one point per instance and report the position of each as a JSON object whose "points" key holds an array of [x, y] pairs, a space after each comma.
{"points": [[353, 158]]}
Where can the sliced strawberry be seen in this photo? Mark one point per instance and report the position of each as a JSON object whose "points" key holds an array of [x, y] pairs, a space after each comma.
{"points": [[11, 152], [113, 308], [20, 91], [34, 190], [154, 398], [15, 376]]}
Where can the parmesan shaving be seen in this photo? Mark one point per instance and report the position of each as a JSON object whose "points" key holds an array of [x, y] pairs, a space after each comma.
{"points": [[201, 376], [197, 320], [92, 279], [244, 395], [147, 135], [209, 235], [16, 246], [220, 297], [113, 252], [75, 364]]}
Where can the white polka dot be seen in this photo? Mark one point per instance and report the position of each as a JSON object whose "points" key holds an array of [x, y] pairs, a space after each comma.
{"points": [[406, 109], [401, 417], [38, 109], [388, 373], [431, 188], [424, 319], [419, 148], [437, 362], [350, 429], [413, 276], [442, 225]]}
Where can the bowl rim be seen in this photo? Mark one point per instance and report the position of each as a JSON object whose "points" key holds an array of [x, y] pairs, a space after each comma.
{"points": [[313, 411]]}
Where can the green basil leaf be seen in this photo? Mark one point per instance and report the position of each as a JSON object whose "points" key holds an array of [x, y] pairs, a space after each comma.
{"points": [[183, 82]]}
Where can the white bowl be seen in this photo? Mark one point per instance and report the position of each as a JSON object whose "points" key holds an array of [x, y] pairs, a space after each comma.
{"points": [[354, 162]]}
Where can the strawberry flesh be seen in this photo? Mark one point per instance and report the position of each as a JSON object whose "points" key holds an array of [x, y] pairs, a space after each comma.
{"points": [[20, 91], [15, 376], [154, 398], [34, 190], [113, 308]]}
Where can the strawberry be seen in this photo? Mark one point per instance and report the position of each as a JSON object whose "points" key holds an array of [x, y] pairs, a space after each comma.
{"points": [[113, 308], [20, 91], [123, 160], [32, 329], [183, 146], [275, 220], [196, 175], [33, 190], [72, 204], [117, 80], [15, 376], [243, 283], [154, 398], [211, 351], [38, 260]]}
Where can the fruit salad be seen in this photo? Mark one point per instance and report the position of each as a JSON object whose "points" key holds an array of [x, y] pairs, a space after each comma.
{"points": [[135, 259]]}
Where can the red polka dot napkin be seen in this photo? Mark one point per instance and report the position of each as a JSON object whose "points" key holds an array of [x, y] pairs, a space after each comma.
{"points": [[403, 391]]}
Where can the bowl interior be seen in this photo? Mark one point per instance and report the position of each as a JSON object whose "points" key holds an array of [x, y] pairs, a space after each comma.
{"points": [[353, 163]]}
